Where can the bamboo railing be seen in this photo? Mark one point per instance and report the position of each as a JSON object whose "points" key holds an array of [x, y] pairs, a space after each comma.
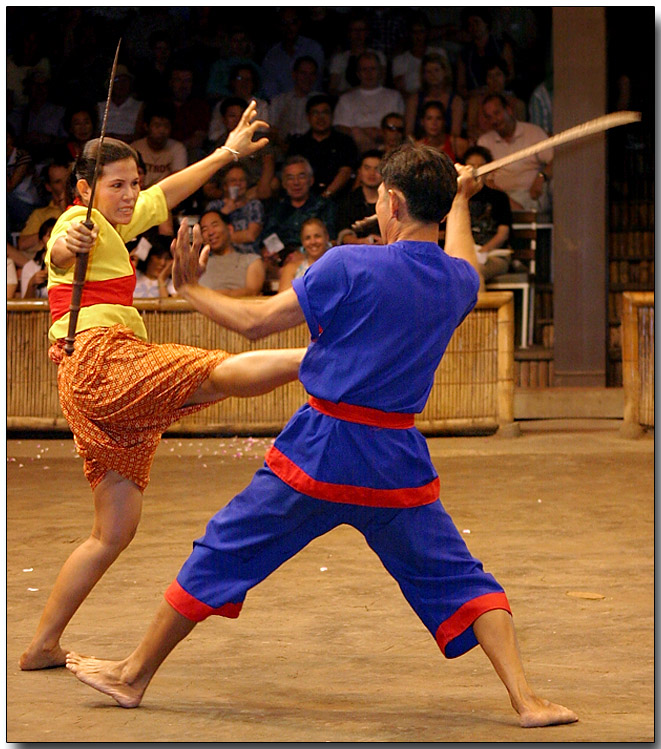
{"points": [[473, 389], [638, 360]]}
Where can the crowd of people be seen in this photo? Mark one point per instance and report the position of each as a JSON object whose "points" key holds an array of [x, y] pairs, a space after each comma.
{"points": [[337, 88]]}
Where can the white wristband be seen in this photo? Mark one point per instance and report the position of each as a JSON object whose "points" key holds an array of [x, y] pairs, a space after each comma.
{"points": [[234, 153]]}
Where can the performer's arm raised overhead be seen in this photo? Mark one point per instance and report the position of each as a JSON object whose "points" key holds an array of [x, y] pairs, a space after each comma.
{"points": [[459, 240]]}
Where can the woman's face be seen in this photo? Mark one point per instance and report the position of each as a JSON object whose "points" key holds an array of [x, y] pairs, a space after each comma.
{"points": [[495, 80], [432, 122], [433, 74], [117, 190], [155, 265], [314, 239], [81, 126], [243, 83]]}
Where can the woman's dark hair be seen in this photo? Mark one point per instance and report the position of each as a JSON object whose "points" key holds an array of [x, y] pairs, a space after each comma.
{"points": [[48, 224], [235, 69], [434, 105], [232, 101], [485, 153], [159, 248], [426, 177], [113, 150]]}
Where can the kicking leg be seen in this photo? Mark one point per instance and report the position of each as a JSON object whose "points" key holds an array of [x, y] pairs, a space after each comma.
{"points": [[117, 508], [125, 681], [495, 633], [248, 374]]}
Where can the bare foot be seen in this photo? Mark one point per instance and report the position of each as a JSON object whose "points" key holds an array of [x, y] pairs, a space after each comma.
{"points": [[538, 712], [34, 659], [107, 677]]}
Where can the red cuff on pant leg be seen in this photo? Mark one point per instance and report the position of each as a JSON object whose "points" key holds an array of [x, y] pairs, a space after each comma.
{"points": [[188, 606], [465, 615]]}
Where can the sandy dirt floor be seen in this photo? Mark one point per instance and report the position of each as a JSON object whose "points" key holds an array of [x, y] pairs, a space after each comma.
{"points": [[326, 649]]}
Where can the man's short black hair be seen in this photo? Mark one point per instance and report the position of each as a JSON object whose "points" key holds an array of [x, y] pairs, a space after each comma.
{"points": [[389, 116], [232, 101], [373, 153], [218, 212], [485, 153], [162, 109], [314, 101], [496, 97], [305, 58], [425, 176]]}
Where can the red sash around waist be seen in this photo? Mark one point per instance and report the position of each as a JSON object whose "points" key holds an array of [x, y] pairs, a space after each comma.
{"points": [[362, 415], [112, 291]]}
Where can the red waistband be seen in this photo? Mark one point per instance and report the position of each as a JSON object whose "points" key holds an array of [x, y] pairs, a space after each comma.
{"points": [[362, 415], [112, 291]]}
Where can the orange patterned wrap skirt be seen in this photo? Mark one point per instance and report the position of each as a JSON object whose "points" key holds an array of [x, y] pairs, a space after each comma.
{"points": [[120, 393]]}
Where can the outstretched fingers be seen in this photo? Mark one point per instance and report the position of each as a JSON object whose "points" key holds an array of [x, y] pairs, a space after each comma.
{"points": [[185, 268]]}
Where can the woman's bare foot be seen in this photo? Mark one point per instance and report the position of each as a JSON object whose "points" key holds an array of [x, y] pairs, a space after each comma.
{"points": [[35, 658], [538, 712], [107, 677]]}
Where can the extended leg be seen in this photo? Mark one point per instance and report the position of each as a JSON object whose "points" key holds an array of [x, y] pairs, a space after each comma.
{"points": [[495, 633], [249, 373], [125, 681], [117, 508]]}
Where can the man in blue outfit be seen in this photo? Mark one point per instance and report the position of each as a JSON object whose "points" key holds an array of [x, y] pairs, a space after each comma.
{"points": [[380, 318]]}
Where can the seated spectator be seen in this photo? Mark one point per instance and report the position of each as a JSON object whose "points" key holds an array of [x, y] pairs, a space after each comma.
{"points": [[540, 105], [42, 121], [435, 85], [287, 217], [280, 58], [435, 135], [406, 66], [12, 278], [392, 132], [22, 195], [259, 166], [240, 53], [191, 113], [162, 155], [246, 217], [153, 71], [287, 114], [34, 275], [491, 219], [124, 110], [361, 202], [483, 46], [331, 154], [228, 272], [152, 275], [27, 55], [526, 181], [476, 122], [314, 242], [243, 84], [80, 122], [359, 112], [55, 181], [343, 65]]}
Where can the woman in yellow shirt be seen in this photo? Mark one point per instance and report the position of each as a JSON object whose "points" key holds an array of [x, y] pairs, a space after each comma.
{"points": [[118, 391]]}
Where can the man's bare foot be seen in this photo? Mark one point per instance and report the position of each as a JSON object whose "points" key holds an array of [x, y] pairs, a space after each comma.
{"points": [[538, 712], [34, 658], [106, 677]]}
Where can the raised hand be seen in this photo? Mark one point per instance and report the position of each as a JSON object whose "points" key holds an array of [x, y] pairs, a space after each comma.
{"points": [[240, 139], [190, 259], [467, 183]]}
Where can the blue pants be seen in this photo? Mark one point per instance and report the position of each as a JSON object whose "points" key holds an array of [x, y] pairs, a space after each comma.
{"points": [[268, 523]]}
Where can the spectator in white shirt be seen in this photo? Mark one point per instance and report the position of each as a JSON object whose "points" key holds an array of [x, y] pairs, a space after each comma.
{"points": [[359, 112], [162, 155]]}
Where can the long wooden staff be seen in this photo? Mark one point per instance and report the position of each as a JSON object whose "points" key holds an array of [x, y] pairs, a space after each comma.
{"points": [[82, 258], [599, 124]]}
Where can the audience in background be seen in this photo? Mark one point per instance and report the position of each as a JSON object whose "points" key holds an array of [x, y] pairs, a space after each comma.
{"points": [[287, 115], [392, 132], [190, 123], [243, 84], [331, 154], [476, 122], [80, 122], [162, 154], [359, 112], [228, 272], [55, 181], [343, 65], [525, 181], [435, 85], [244, 215], [153, 274], [435, 135], [34, 274], [240, 52], [22, 195], [314, 242], [406, 66], [361, 202], [124, 110]]}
